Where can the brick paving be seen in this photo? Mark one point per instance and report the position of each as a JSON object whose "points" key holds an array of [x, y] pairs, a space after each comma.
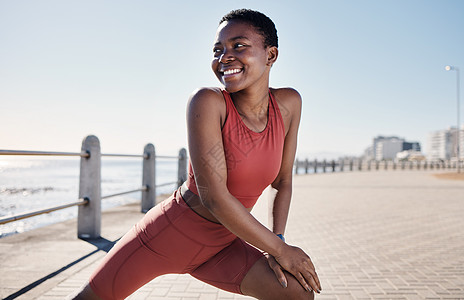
{"points": [[371, 235]]}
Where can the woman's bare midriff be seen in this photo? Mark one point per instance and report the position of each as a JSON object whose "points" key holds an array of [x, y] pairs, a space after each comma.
{"points": [[194, 202]]}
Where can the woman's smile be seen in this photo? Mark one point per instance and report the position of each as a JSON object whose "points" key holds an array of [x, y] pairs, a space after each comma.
{"points": [[231, 73]]}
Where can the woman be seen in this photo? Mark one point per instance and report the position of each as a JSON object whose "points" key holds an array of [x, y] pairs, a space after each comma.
{"points": [[239, 142]]}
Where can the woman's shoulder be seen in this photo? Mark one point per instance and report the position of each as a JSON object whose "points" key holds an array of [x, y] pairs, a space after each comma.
{"points": [[289, 101], [207, 100], [206, 94], [286, 94]]}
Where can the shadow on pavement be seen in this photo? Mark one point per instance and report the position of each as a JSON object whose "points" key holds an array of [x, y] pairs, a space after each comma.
{"points": [[101, 243]]}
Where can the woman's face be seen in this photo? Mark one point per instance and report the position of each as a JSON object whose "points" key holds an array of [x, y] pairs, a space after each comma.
{"points": [[240, 58]]}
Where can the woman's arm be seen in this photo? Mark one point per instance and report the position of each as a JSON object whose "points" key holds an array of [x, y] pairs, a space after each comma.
{"points": [[291, 105]]}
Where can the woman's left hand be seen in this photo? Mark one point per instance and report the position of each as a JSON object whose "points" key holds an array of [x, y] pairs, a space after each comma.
{"points": [[278, 271]]}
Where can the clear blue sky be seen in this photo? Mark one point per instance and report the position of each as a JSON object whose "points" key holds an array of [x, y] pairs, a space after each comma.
{"points": [[123, 70]]}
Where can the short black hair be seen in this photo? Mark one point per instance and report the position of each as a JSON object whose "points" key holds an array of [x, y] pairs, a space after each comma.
{"points": [[258, 20]]}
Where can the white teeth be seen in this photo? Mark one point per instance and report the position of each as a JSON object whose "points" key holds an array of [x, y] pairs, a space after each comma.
{"points": [[232, 71]]}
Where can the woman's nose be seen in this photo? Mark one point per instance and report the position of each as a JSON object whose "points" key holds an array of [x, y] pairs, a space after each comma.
{"points": [[226, 57]]}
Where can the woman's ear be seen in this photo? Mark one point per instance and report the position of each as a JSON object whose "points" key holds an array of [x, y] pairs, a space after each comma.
{"points": [[272, 54]]}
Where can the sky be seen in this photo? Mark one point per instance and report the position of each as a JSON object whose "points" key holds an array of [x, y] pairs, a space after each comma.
{"points": [[124, 70]]}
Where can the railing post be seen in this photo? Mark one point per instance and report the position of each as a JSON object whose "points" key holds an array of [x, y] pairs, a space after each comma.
{"points": [[333, 166], [315, 166], [182, 167], [89, 216], [149, 178], [342, 164], [324, 165], [296, 166], [306, 166]]}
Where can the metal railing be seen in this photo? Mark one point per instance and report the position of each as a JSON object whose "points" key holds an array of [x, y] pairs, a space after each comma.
{"points": [[43, 211], [342, 165], [89, 203], [43, 153]]}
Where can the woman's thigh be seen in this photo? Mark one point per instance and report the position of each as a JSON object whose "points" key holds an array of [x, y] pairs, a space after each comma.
{"points": [[170, 238], [153, 247], [261, 282], [228, 267], [131, 264]]}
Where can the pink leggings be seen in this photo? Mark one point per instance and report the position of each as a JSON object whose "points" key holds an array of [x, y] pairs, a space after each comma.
{"points": [[172, 238]]}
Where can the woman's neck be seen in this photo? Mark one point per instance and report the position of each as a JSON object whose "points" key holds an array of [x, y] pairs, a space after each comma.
{"points": [[251, 105], [252, 101]]}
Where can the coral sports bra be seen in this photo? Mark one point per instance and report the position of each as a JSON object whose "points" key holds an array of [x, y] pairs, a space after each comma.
{"points": [[253, 159]]}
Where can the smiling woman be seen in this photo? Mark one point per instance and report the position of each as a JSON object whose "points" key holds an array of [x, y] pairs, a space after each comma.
{"points": [[239, 144], [240, 52]]}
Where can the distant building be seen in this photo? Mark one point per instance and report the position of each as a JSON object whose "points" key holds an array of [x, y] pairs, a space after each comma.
{"points": [[410, 155], [442, 144], [415, 146], [386, 148], [369, 153]]}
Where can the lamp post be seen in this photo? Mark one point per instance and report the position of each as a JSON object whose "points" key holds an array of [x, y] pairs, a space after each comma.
{"points": [[453, 68]]}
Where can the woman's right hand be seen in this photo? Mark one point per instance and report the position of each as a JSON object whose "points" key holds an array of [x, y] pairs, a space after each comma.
{"points": [[297, 262]]}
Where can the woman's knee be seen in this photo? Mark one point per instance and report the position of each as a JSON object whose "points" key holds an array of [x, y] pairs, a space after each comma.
{"points": [[295, 291], [262, 283], [301, 294]]}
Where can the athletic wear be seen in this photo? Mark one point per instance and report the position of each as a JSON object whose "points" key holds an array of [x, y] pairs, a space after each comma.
{"points": [[253, 159], [172, 238]]}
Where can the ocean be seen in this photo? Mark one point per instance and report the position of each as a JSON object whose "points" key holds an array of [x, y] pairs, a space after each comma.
{"points": [[30, 183]]}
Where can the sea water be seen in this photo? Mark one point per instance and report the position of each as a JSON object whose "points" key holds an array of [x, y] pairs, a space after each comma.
{"points": [[29, 184]]}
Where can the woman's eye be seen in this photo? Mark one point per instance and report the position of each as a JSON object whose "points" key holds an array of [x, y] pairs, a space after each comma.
{"points": [[239, 45], [216, 50]]}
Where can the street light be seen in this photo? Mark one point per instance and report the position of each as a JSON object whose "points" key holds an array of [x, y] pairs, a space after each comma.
{"points": [[453, 68]]}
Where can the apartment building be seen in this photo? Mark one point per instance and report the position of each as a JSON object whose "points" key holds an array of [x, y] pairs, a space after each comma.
{"points": [[441, 144], [387, 147]]}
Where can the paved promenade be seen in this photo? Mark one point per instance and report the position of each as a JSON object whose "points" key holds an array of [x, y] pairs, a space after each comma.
{"points": [[372, 235]]}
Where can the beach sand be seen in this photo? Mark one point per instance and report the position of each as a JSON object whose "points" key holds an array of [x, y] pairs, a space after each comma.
{"points": [[450, 176]]}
